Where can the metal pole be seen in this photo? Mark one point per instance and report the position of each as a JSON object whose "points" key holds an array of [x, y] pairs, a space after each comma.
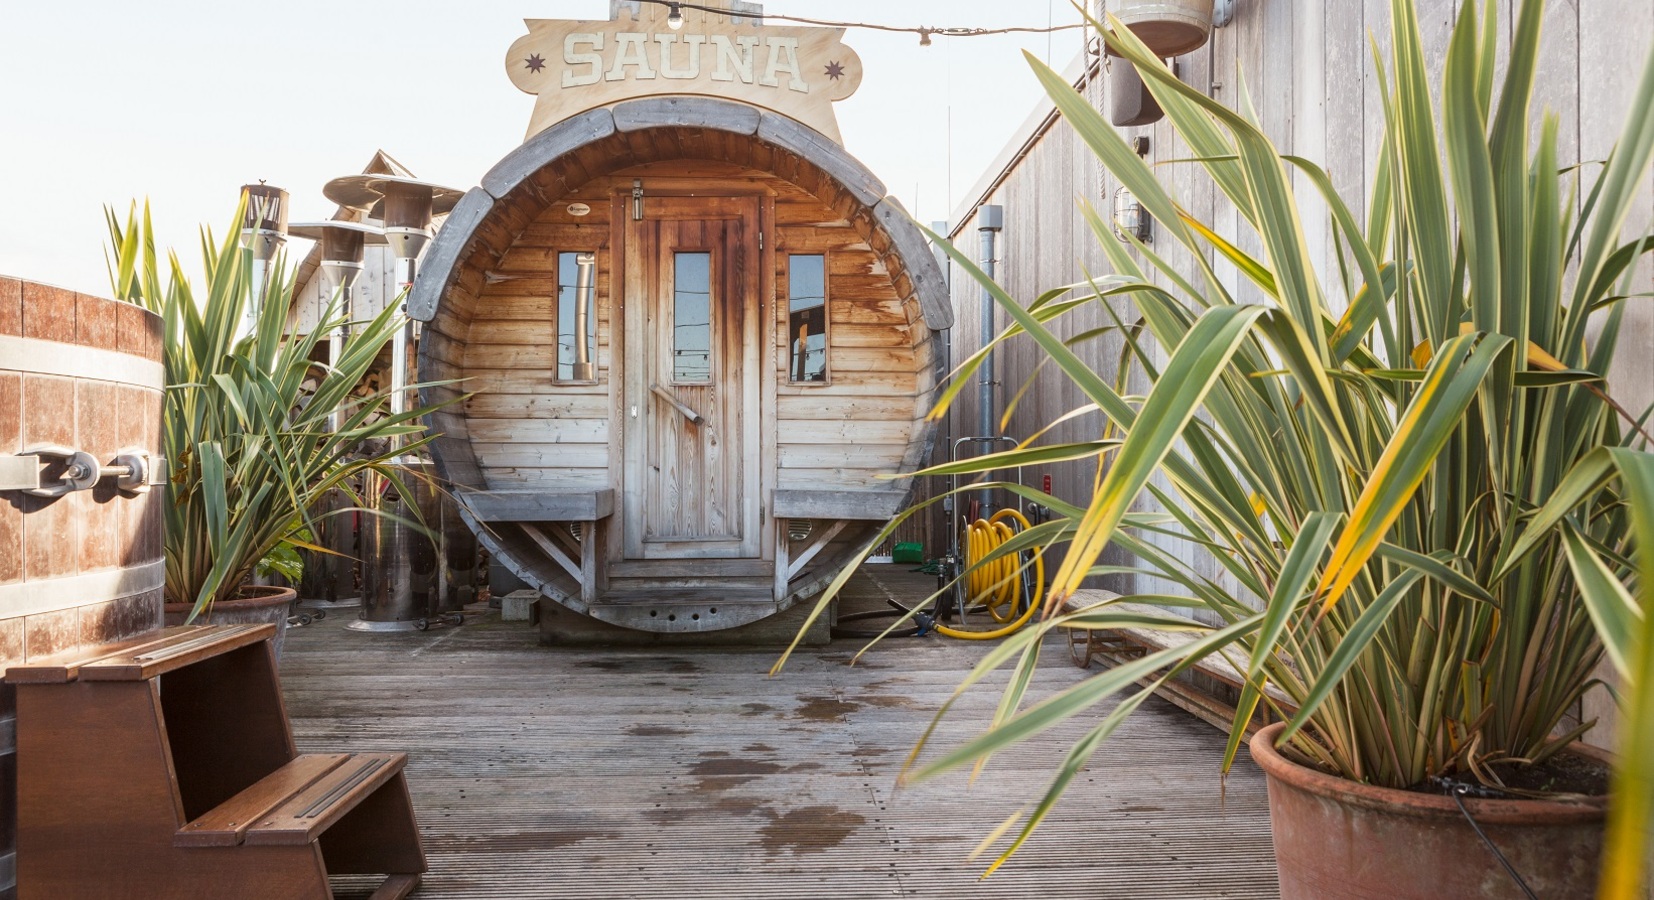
{"points": [[336, 349], [402, 570], [990, 220]]}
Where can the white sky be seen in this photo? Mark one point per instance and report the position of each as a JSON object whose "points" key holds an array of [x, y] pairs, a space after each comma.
{"points": [[182, 102]]}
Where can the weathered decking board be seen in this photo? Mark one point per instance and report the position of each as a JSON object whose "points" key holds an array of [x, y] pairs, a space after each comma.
{"points": [[648, 772]]}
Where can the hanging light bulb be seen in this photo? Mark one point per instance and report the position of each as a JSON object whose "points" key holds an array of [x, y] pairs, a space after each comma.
{"points": [[674, 16], [924, 37]]}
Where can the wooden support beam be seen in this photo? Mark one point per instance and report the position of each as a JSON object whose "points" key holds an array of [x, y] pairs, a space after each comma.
{"points": [[593, 554], [783, 548], [817, 544], [557, 553]]}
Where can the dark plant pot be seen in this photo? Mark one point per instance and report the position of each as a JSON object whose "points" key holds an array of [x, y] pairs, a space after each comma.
{"points": [[1336, 839], [256, 604]]}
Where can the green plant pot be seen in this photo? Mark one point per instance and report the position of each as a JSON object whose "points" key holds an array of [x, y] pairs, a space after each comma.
{"points": [[256, 605], [1337, 839]]}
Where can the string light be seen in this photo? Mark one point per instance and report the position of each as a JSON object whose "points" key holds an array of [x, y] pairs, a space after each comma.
{"points": [[675, 20]]}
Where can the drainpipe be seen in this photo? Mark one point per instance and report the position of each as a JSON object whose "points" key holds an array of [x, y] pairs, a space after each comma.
{"points": [[944, 362], [990, 220]]}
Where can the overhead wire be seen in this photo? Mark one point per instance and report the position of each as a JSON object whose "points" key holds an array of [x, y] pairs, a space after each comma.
{"points": [[924, 32]]}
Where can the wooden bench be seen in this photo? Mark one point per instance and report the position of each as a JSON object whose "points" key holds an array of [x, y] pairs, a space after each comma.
{"points": [[529, 510], [838, 507], [166, 768], [1210, 695]]}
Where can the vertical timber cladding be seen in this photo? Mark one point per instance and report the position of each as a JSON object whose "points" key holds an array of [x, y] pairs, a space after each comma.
{"points": [[694, 480]]}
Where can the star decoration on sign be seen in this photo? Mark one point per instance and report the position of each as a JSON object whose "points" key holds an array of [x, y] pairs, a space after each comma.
{"points": [[835, 71], [535, 63]]}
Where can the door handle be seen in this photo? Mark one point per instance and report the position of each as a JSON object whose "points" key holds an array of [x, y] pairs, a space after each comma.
{"points": [[694, 417]]}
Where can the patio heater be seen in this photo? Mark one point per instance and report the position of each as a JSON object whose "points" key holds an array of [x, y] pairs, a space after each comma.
{"points": [[406, 577], [330, 580], [263, 231]]}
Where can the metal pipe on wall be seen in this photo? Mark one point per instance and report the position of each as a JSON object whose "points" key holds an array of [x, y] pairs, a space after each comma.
{"points": [[584, 282], [944, 364], [990, 220]]}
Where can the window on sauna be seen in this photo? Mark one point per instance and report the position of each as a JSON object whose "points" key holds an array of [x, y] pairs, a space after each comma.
{"points": [[692, 318], [807, 318], [576, 316]]}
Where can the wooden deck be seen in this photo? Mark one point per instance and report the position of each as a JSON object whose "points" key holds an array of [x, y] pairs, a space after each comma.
{"points": [[642, 772]]}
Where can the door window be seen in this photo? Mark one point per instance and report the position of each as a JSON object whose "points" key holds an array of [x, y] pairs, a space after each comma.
{"points": [[692, 318]]}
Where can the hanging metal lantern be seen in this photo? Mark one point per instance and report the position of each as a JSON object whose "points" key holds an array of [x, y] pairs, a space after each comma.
{"points": [[1168, 27], [1130, 218]]}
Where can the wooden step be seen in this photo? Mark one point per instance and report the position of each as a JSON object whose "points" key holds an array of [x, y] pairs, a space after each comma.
{"points": [[693, 568], [189, 645], [395, 887], [165, 650], [304, 816], [226, 824], [731, 595]]}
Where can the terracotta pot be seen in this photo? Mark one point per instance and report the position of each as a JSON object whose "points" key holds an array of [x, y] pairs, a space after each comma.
{"points": [[257, 604], [1337, 839]]}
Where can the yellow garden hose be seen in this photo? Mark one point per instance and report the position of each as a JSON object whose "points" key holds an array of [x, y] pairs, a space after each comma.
{"points": [[997, 584]]}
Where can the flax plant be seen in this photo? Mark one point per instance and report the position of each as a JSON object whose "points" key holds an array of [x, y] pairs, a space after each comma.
{"points": [[245, 423], [1367, 451]]}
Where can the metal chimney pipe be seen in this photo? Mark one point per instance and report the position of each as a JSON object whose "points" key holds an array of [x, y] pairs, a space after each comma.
{"points": [[990, 220], [585, 265]]}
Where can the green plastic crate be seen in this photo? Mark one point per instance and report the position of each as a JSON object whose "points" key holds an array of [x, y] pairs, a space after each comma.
{"points": [[908, 552]]}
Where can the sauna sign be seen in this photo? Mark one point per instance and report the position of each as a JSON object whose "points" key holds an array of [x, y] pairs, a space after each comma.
{"points": [[573, 66]]}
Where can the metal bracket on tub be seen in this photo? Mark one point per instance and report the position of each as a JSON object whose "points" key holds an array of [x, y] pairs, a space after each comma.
{"points": [[134, 470]]}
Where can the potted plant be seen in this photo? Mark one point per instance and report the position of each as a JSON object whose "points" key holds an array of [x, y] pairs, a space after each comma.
{"points": [[246, 424], [1368, 453]]}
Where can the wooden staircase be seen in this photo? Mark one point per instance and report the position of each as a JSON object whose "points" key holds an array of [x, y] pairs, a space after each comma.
{"points": [[166, 768]]}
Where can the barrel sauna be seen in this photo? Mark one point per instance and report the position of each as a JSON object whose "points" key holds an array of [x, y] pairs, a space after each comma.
{"points": [[81, 561], [696, 333]]}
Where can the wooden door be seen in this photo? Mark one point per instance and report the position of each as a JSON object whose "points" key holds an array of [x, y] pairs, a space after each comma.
{"points": [[692, 449]]}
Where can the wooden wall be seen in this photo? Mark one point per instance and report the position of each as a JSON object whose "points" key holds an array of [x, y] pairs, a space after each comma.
{"points": [[1309, 71], [529, 431]]}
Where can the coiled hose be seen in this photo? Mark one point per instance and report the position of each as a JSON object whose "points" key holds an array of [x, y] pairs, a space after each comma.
{"points": [[997, 586]]}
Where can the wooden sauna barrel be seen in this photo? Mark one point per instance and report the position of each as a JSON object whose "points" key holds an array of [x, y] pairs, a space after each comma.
{"points": [[763, 345], [85, 568]]}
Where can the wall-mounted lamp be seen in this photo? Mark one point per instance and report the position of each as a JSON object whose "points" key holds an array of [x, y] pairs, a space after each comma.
{"points": [[1130, 219], [1223, 12], [674, 17]]}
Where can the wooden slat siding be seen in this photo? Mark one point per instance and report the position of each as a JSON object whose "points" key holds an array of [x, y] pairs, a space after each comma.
{"points": [[1582, 77], [520, 455], [1614, 39]]}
